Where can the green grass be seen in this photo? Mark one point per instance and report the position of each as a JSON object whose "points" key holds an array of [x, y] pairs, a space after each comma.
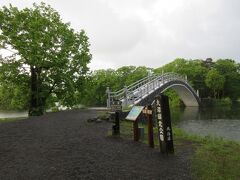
{"points": [[217, 159], [214, 158]]}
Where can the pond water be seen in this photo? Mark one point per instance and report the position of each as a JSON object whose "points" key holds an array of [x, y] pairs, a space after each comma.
{"points": [[13, 114], [219, 121]]}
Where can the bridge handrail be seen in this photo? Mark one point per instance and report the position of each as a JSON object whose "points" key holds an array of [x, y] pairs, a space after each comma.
{"points": [[146, 80], [143, 85], [131, 86], [166, 77], [137, 82]]}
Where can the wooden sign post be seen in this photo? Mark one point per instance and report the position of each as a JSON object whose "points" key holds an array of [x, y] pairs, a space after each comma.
{"points": [[116, 127], [148, 113], [133, 116], [116, 106], [164, 124]]}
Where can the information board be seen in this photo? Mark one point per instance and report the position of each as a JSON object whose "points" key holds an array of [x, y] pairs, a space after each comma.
{"points": [[116, 106], [134, 113]]}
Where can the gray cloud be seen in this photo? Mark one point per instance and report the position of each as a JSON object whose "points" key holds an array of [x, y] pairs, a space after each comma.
{"points": [[152, 33]]}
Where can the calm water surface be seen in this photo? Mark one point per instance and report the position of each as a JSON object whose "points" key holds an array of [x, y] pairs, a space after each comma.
{"points": [[13, 114], [219, 122]]}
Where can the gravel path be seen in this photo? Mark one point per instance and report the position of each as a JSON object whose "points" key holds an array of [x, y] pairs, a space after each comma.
{"points": [[65, 146]]}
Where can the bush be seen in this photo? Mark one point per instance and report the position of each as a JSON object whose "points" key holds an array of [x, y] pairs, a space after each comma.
{"points": [[222, 102]]}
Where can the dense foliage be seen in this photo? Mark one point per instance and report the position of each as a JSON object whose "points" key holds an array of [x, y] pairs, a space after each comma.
{"points": [[50, 62], [99, 80], [219, 79], [215, 81]]}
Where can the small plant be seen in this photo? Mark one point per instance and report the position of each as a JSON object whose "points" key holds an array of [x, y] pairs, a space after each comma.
{"points": [[103, 115], [55, 109], [222, 102]]}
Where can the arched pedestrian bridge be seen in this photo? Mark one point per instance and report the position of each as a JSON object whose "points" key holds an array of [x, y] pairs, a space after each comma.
{"points": [[143, 91]]}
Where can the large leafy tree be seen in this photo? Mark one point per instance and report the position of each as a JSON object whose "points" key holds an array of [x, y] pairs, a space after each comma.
{"points": [[99, 80], [51, 58], [130, 74], [215, 81], [96, 85], [14, 93], [230, 70], [193, 69]]}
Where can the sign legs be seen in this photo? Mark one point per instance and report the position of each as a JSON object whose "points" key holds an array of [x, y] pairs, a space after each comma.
{"points": [[148, 114], [135, 131], [150, 130], [116, 127]]}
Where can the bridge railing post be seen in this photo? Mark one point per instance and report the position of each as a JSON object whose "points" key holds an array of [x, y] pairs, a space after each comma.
{"points": [[125, 96], [108, 97], [141, 92], [148, 83]]}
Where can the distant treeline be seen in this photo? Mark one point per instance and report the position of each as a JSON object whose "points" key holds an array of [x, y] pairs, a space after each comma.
{"points": [[214, 79], [218, 80]]}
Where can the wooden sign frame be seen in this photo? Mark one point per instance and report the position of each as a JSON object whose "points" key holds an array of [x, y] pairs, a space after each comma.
{"points": [[133, 116]]}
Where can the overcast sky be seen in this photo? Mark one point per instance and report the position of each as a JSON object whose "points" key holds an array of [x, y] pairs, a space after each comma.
{"points": [[152, 32]]}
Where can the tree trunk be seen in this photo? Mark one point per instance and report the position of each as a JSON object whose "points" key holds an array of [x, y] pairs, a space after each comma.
{"points": [[36, 106], [214, 94]]}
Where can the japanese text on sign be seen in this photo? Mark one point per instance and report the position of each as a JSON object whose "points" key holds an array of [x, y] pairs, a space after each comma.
{"points": [[116, 106], [159, 119]]}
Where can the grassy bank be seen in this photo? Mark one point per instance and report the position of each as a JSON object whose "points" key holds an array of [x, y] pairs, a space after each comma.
{"points": [[213, 158]]}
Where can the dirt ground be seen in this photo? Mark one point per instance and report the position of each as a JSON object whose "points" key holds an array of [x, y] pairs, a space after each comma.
{"points": [[64, 145]]}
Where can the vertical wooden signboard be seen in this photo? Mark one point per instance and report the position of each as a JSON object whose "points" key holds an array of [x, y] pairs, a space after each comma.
{"points": [[159, 121], [164, 124]]}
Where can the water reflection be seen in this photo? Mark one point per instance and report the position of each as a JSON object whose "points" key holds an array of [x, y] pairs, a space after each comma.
{"points": [[220, 121]]}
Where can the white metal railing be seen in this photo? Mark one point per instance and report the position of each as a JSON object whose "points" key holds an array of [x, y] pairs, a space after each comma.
{"points": [[135, 92]]}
